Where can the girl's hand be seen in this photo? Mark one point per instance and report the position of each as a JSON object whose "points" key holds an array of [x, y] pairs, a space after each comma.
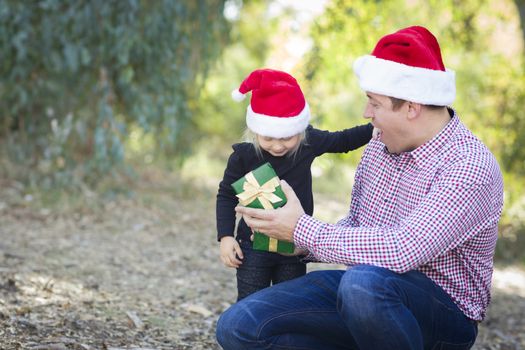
{"points": [[230, 250]]}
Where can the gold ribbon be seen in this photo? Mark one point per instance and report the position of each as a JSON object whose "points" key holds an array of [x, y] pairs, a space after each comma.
{"points": [[264, 193], [272, 245]]}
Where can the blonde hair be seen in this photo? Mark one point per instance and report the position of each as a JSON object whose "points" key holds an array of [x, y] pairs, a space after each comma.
{"points": [[251, 137]]}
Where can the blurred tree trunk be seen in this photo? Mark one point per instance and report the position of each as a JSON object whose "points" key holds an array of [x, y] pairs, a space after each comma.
{"points": [[520, 4]]}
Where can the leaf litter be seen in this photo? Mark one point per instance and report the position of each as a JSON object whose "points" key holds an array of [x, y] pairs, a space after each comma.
{"points": [[136, 275]]}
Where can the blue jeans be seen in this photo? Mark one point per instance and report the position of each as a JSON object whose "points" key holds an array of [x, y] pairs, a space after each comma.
{"points": [[260, 269], [365, 307]]}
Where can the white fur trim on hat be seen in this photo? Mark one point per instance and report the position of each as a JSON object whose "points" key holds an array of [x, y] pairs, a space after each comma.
{"points": [[277, 127], [238, 96], [415, 84]]}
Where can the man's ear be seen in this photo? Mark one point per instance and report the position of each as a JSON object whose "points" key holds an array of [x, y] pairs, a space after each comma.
{"points": [[414, 110]]}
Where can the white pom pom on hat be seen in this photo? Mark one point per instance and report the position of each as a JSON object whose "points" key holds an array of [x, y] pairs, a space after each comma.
{"points": [[237, 96]]}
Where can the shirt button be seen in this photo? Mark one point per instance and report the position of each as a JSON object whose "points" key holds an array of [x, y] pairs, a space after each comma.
{"points": [[386, 200]]}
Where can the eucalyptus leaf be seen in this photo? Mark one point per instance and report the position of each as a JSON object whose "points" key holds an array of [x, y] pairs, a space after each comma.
{"points": [[107, 65]]}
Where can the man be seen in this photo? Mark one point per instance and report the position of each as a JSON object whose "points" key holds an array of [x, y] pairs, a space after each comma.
{"points": [[420, 236]]}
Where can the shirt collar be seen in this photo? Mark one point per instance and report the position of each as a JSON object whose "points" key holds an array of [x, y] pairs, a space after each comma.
{"points": [[427, 151]]}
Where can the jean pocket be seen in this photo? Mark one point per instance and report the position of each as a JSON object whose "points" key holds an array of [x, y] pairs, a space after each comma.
{"points": [[245, 243], [451, 346]]}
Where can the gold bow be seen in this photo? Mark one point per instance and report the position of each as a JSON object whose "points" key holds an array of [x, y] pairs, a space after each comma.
{"points": [[264, 193]]}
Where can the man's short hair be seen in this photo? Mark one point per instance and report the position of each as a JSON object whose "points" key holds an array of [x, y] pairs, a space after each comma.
{"points": [[397, 103]]}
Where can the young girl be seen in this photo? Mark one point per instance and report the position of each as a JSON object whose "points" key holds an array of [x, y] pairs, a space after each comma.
{"points": [[279, 133]]}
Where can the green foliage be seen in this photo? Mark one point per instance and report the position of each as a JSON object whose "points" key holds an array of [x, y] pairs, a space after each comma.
{"points": [[490, 75], [218, 117], [345, 31], [76, 75]]}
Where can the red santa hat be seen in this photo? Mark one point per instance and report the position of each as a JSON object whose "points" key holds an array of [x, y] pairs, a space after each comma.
{"points": [[408, 65], [277, 107]]}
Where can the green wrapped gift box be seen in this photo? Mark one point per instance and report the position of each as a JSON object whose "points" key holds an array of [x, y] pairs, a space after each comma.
{"points": [[260, 188]]}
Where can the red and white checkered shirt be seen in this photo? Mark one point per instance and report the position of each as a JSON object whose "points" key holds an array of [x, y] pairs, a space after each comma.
{"points": [[435, 209]]}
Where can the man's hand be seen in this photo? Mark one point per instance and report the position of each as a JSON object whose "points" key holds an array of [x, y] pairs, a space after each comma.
{"points": [[230, 250], [279, 223], [296, 252]]}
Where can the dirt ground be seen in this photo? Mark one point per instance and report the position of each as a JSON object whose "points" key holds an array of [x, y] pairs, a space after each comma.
{"points": [[143, 273]]}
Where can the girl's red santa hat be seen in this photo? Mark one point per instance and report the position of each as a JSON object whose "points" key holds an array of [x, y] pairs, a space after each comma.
{"points": [[277, 107], [408, 65]]}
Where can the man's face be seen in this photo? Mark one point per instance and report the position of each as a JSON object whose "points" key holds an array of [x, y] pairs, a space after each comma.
{"points": [[392, 123]]}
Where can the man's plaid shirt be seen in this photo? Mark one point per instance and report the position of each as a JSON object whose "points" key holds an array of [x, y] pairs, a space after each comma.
{"points": [[435, 209]]}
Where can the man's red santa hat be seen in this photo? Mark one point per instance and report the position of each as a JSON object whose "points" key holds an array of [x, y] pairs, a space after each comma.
{"points": [[277, 107], [408, 65]]}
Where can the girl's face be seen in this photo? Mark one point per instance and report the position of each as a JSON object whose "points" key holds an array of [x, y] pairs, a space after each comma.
{"points": [[278, 147]]}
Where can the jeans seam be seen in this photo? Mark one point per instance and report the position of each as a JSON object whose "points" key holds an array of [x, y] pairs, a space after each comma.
{"points": [[323, 287], [455, 308], [439, 344], [287, 314], [383, 298], [452, 308]]}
